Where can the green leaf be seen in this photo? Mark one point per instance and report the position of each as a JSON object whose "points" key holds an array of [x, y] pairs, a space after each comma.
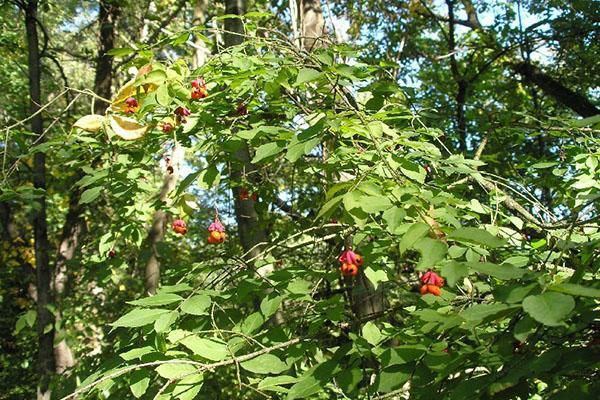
{"points": [[500, 271], [252, 323], [371, 333], [329, 207], [181, 287], [476, 236], [207, 348], [120, 52], [267, 150], [196, 305], [453, 272], [188, 387], [575, 290], [307, 75], [163, 322], [139, 382], [270, 305], [414, 233], [376, 276], [273, 382], [136, 353], [90, 195], [393, 218], [209, 177], [402, 354], [162, 95], [139, 317], [432, 251], [375, 204], [181, 39], [312, 381], [299, 286], [159, 299], [524, 327], [174, 370], [479, 312], [265, 364], [549, 308]]}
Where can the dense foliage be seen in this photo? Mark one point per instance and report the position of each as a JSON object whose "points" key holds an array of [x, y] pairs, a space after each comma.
{"points": [[474, 263]]}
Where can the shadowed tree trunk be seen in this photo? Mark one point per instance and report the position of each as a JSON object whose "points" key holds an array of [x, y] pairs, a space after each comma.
{"points": [[312, 23], [201, 51], [45, 318], [159, 221], [74, 222], [108, 13], [365, 299], [556, 90], [251, 232]]}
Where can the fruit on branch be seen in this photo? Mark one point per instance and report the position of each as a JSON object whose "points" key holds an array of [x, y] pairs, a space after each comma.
{"points": [[241, 109], [216, 232], [179, 226], [131, 105], [167, 127], [432, 283], [199, 90], [181, 113], [350, 262], [349, 269], [246, 195], [112, 253]]}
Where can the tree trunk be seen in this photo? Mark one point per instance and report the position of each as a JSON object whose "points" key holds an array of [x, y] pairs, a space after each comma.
{"points": [[202, 52], [366, 300], [159, 221], [312, 23], [108, 13], [45, 318], [69, 241], [556, 90], [74, 222], [461, 122], [251, 232]]}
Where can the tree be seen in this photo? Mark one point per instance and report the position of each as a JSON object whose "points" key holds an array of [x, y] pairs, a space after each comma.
{"points": [[331, 233]]}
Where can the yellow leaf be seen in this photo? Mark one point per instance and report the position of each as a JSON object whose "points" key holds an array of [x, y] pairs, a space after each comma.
{"points": [[130, 90], [127, 128], [90, 123]]}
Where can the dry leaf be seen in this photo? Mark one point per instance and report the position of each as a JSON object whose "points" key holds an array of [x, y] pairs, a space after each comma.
{"points": [[89, 123], [127, 128]]}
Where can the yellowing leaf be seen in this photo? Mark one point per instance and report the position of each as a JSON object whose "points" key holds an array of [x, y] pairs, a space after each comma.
{"points": [[90, 123], [127, 128]]}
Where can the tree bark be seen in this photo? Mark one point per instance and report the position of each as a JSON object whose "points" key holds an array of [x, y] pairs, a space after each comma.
{"points": [[159, 221], [556, 90], [45, 318], [251, 232], [69, 242], [202, 52], [107, 16], [312, 23], [74, 222]]}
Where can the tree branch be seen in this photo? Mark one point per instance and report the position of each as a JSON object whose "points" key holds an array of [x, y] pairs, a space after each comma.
{"points": [[556, 90]]}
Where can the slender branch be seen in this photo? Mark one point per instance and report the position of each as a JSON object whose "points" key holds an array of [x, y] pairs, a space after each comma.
{"points": [[201, 366]]}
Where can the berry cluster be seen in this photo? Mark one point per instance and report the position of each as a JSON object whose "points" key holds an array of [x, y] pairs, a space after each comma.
{"points": [[199, 90], [216, 232], [246, 195], [179, 226], [350, 263], [131, 105], [432, 283]]}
